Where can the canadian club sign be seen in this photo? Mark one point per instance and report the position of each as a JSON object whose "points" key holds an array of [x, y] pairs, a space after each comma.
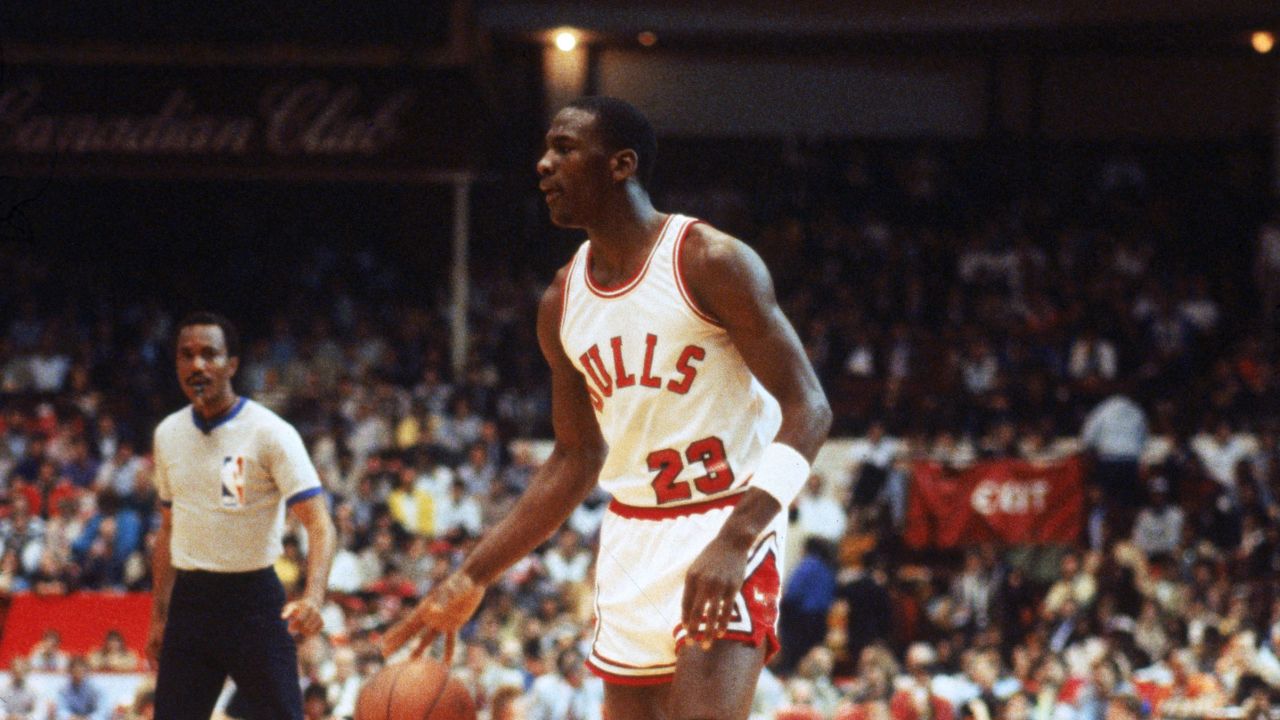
{"points": [[1001, 501], [237, 118], [311, 117]]}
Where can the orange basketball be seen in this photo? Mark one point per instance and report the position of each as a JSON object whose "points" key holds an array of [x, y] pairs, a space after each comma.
{"points": [[414, 690]]}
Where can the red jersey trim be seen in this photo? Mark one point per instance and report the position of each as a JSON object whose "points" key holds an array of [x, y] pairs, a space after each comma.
{"points": [[680, 284], [620, 290], [564, 291], [635, 512]]}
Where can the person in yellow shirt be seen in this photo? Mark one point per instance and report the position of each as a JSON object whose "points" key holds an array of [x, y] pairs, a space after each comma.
{"points": [[289, 565], [412, 506]]}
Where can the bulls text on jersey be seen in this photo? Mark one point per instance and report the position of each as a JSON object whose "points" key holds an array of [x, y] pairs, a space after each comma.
{"points": [[603, 383]]}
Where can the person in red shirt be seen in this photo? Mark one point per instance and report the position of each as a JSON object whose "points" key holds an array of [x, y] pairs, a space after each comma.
{"points": [[913, 698]]}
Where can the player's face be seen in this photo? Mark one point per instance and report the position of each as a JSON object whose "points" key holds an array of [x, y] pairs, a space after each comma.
{"points": [[204, 370], [574, 170]]}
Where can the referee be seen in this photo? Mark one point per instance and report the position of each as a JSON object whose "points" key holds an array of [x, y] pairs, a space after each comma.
{"points": [[225, 470]]}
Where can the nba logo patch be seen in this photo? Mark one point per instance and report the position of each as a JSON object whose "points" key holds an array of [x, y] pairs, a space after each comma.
{"points": [[233, 482]]}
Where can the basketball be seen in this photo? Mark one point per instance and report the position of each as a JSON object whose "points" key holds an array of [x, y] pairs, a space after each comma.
{"points": [[414, 690]]}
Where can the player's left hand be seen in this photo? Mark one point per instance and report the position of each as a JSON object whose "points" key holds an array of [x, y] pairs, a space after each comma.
{"points": [[303, 616], [710, 589]]}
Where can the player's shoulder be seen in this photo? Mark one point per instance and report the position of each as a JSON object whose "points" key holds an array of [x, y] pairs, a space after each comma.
{"points": [[705, 236], [711, 255], [552, 300], [551, 312], [711, 248]]}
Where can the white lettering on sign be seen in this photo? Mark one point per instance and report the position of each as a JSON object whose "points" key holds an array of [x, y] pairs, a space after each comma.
{"points": [[311, 118], [1010, 498], [315, 118]]}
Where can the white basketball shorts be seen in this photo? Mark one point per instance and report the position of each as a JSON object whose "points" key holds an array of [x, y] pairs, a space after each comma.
{"points": [[640, 573]]}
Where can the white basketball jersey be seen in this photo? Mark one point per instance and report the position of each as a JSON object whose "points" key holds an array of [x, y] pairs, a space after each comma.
{"points": [[684, 417]]}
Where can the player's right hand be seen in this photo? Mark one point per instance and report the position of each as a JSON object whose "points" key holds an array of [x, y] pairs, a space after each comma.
{"points": [[155, 638], [443, 611]]}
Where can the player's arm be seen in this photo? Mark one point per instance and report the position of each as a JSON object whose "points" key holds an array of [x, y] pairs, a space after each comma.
{"points": [[161, 585], [303, 614], [730, 282], [569, 473], [560, 485]]}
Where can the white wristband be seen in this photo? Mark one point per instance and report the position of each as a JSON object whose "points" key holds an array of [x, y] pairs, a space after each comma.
{"points": [[782, 473]]}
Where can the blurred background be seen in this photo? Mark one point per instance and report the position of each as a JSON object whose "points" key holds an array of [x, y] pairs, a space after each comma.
{"points": [[1032, 249]]}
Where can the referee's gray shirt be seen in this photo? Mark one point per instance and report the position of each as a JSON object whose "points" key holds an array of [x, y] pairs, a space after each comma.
{"points": [[228, 483]]}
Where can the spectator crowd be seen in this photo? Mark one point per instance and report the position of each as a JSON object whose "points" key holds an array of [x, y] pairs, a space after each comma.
{"points": [[949, 321]]}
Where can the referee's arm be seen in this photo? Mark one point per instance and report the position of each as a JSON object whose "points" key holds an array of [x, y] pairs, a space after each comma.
{"points": [[161, 585], [304, 613]]}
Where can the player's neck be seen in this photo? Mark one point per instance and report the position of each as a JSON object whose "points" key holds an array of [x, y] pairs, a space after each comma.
{"points": [[625, 233]]}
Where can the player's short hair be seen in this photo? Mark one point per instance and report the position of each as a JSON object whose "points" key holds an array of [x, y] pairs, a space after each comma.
{"points": [[230, 335], [623, 127]]}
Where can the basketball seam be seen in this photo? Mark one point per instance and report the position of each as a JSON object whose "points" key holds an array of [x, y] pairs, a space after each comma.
{"points": [[391, 691], [439, 694]]}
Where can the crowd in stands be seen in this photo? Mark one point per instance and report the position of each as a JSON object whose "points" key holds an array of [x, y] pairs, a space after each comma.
{"points": [[946, 324]]}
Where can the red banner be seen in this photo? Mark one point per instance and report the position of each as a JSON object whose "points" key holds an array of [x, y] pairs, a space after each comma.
{"points": [[81, 618], [1002, 501]]}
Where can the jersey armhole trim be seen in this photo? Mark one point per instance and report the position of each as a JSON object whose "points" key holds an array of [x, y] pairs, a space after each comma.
{"points": [[303, 495], [166, 503], [676, 254], [564, 292]]}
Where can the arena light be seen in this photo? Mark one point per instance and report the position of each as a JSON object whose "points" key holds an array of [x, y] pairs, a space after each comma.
{"points": [[1263, 41], [566, 40]]}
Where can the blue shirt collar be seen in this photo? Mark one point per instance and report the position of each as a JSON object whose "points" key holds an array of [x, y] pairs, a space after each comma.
{"points": [[207, 427]]}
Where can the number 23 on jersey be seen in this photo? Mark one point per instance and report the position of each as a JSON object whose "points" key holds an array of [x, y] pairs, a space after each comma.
{"points": [[669, 462]]}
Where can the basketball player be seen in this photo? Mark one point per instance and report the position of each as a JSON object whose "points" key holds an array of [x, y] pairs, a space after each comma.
{"points": [[679, 385], [225, 469]]}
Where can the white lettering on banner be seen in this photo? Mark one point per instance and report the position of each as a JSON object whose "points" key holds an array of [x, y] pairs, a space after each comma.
{"points": [[1010, 498], [311, 118], [314, 119]]}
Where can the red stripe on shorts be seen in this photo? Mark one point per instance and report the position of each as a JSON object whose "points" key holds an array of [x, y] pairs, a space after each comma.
{"points": [[635, 512]]}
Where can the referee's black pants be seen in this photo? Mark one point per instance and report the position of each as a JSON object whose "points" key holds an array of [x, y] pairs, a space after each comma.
{"points": [[224, 624]]}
